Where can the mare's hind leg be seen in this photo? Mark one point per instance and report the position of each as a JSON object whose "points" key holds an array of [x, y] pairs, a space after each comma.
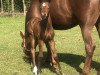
{"points": [[98, 26], [87, 24], [54, 54], [89, 47], [89, 44], [40, 56]]}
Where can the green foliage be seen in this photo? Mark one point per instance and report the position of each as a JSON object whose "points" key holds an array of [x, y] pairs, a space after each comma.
{"points": [[6, 4], [69, 45], [18, 5]]}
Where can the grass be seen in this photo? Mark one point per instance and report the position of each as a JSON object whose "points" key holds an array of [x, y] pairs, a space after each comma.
{"points": [[69, 45]]}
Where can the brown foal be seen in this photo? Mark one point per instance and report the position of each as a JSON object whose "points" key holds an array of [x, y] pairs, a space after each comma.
{"points": [[40, 31]]}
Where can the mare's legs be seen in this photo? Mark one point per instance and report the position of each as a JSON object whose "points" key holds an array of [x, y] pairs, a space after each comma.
{"points": [[54, 54], [87, 23], [98, 26], [86, 29], [40, 56], [89, 47]]}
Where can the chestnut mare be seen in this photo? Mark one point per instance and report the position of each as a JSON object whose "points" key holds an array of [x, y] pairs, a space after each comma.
{"points": [[66, 14]]}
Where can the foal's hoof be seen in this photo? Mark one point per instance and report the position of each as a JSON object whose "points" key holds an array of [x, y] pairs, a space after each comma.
{"points": [[35, 70], [54, 69], [62, 74], [85, 74]]}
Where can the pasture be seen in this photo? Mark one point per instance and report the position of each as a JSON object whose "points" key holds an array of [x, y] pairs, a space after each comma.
{"points": [[69, 45]]}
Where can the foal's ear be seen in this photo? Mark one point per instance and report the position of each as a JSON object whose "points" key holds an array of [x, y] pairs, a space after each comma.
{"points": [[44, 1], [22, 35], [40, 1], [49, 0]]}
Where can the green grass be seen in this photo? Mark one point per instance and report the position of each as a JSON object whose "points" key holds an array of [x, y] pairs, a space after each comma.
{"points": [[69, 45]]}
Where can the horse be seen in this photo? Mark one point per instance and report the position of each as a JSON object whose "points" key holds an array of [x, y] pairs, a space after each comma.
{"points": [[40, 31], [66, 14]]}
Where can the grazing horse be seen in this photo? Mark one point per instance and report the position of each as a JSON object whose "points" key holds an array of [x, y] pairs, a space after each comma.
{"points": [[40, 31], [66, 14]]}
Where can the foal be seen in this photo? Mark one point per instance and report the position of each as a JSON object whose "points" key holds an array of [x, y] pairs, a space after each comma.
{"points": [[39, 31]]}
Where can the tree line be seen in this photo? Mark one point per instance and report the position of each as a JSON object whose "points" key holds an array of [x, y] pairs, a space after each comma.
{"points": [[14, 6]]}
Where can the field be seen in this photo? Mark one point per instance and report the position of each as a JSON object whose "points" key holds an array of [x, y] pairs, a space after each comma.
{"points": [[69, 45]]}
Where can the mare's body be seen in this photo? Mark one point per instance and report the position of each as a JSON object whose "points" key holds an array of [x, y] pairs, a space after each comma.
{"points": [[66, 14]]}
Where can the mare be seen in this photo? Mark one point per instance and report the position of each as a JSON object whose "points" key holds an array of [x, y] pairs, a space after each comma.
{"points": [[40, 31], [66, 14]]}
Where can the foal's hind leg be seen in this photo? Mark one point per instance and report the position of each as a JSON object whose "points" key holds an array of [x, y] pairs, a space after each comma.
{"points": [[40, 56], [49, 57], [98, 26], [54, 54]]}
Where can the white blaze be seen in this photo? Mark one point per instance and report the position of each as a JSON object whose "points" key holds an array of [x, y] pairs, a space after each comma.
{"points": [[44, 4]]}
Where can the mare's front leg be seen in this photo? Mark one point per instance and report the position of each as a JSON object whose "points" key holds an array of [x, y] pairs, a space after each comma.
{"points": [[32, 41], [87, 24], [89, 47], [54, 56], [40, 56]]}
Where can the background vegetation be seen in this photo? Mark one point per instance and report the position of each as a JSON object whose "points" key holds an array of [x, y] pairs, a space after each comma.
{"points": [[14, 6], [69, 44]]}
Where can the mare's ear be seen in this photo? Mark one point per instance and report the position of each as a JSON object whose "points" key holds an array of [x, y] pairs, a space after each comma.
{"points": [[22, 35]]}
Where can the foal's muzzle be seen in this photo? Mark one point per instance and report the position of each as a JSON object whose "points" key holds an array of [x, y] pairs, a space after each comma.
{"points": [[44, 16]]}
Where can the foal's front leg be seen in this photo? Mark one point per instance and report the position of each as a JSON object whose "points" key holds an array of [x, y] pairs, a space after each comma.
{"points": [[40, 56], [32, 41]]}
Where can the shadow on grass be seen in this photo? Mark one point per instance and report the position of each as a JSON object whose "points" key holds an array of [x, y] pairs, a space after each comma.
{"points": [[73, 60]]}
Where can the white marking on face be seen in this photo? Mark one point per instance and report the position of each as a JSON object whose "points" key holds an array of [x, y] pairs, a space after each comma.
{"points": [[44, 4], [35, 70]]}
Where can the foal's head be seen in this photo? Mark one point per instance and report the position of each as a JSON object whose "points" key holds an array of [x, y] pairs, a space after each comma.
{"points": [[44, 8]]}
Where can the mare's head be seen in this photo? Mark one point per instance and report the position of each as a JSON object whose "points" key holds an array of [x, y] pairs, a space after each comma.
{"points": [[44, 8]]}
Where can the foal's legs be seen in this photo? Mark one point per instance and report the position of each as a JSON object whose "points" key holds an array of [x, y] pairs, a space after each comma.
{"points": [[50, 57], [40, 56], [54, 54], [33, 54], [98, 26]]}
